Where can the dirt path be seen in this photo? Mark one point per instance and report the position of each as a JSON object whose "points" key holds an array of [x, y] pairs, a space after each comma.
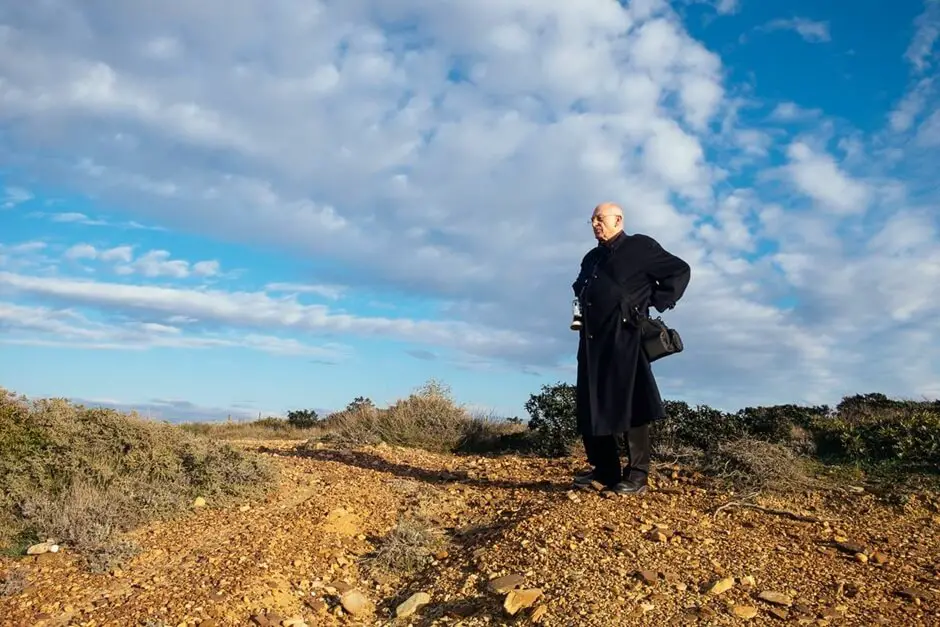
{"points": [[595, 561]]}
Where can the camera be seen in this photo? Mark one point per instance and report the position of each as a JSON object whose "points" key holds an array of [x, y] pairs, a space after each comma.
{"points": [[576, 320]]}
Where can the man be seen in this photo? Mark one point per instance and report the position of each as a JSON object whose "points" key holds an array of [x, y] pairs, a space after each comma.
{"points": [[616, 391]]}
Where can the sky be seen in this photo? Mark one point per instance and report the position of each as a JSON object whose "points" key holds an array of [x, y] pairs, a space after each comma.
{"points": [[242, 207]]}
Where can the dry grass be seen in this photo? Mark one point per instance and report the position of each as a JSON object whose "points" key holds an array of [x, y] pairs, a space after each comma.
{"points": [[264, 429], [428, 419], [757, 465], [83, 476], [408, 548]]}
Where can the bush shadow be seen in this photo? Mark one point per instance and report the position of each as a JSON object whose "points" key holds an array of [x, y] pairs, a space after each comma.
{"points": [[369, 461]]}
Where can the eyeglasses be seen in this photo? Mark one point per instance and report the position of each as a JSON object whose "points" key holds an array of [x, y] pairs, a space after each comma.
{"points": [[600, 218]]}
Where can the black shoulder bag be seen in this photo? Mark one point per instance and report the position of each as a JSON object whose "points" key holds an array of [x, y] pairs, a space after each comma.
{"points": [[657, 339]]}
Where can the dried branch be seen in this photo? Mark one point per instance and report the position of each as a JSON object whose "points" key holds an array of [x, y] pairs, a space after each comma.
{"points": [[770, 510]]}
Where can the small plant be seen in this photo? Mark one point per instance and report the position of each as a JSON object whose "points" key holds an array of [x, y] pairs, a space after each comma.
{"points": [[408, 547]]}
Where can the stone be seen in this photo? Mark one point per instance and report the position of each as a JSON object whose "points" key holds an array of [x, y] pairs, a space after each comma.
{"points": [[521, 599], [356, 603], [42, 548], [850, 547], [649, 576], [504, 584], [775, 598], [412, 604], [721, 586], [539, 613], [747, 612]]}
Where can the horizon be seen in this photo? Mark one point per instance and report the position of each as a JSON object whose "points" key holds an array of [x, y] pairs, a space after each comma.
{"points": [[315, 201]]}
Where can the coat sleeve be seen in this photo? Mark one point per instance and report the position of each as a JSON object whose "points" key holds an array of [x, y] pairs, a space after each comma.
{"points": [[670, 274], [582, 279]]}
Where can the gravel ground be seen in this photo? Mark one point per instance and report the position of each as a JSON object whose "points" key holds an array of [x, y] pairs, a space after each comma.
{"points": [[521, 548]]}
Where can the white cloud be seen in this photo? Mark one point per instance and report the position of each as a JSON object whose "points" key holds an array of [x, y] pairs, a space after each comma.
{"points": [[152, 264], [725, 7], [819, 177], [156, 263], [64, 328], [206, 268], [13, 196], [81, 251], [74, 217], [810, 30], [928, 133], [927, 31], [118, 253], [257, 310], [327, 291], [909, 108], [342, 139]]}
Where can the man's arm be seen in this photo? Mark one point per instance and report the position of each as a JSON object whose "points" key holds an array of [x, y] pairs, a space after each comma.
{"points": [[670, 273], [583, 277]]}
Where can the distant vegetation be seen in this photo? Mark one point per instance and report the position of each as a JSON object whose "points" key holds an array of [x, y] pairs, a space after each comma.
{"points": [[760, 447], [82, 475]]}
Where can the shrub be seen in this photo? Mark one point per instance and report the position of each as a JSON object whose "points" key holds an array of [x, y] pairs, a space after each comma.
{"points": [[780, 423], [904, 433], [553, 418], [83, 475], [700, 427], [302, 418], [485, 434], [428, 419]]}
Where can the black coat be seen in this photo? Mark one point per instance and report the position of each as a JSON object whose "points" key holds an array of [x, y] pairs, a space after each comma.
{"points": [[616, 388]]}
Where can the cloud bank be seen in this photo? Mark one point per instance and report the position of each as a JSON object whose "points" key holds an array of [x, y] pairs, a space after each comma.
{"points": [[452, 153]]}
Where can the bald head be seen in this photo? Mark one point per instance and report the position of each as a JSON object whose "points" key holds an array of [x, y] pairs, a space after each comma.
{"points": [[607, 221]]}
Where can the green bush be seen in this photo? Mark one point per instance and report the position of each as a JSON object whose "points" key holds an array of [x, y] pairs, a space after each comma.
{"points": [[872, 429], [553, 419], [869, 428], [302, 418]]}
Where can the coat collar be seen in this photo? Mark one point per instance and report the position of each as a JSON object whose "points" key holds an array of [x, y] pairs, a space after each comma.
{"points": [[613, 243]]}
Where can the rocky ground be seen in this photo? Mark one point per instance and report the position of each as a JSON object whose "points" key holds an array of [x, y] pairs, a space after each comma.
{"points": [[518, 547]]}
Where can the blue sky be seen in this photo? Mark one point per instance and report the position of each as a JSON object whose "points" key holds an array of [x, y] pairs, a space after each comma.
{"points": [[244, 207]]}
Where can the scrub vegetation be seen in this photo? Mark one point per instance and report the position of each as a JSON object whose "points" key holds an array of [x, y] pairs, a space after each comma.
{"points": [[81, 476]]}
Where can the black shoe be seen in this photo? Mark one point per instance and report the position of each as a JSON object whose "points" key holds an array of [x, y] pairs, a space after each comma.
{"points": [[628, 487], [585, 477]]}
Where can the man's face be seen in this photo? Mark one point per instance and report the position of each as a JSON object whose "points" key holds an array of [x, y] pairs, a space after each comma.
{"points": [[606, 223]]}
